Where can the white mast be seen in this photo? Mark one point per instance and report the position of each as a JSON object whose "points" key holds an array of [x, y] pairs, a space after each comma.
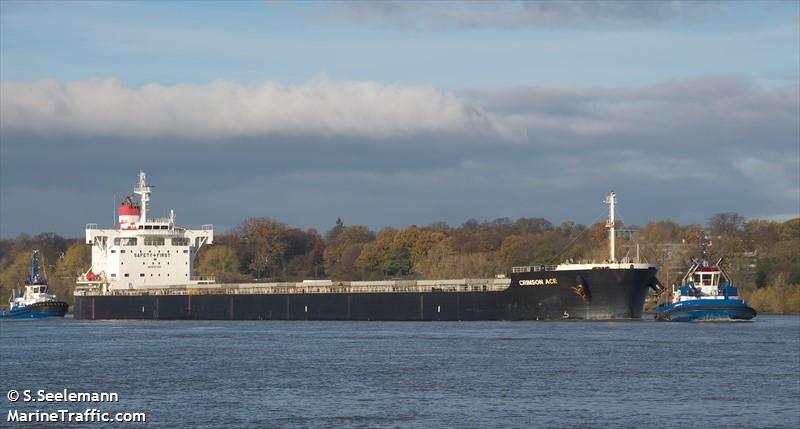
{"points": [[144, 192], [611, 200]]}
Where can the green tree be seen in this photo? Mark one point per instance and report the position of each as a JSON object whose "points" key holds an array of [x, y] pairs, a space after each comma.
{"points": [[340, 254], [426, 240], [76, 261], [334, 232], [518, 250], [373, 257], [267, 248], [789, 230], [397, 260], [726, 224], [16, 269], [760, 234], [663, 231], [220, 262]]}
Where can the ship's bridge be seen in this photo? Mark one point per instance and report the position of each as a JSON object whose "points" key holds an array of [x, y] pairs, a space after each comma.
{"points": [[143, 251], [158, 227]]}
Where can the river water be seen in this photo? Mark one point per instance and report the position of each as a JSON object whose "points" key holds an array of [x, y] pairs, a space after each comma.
{"points": [[225, 374]]}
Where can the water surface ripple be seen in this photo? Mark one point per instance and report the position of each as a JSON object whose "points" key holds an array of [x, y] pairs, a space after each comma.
{"points": [[230, 374]]}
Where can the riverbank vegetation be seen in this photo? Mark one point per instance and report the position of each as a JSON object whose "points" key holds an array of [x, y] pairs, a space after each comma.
{"points": [[763, 257]]}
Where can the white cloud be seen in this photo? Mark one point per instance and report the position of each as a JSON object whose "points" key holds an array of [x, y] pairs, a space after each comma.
{"points": [[223, 109]]}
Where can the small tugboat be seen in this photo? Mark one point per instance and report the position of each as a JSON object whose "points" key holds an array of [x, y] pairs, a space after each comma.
{"points": [[706, 294], [35, 302]]}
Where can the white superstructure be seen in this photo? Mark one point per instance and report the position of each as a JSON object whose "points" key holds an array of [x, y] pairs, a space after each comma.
{"points": [[142, 252]]}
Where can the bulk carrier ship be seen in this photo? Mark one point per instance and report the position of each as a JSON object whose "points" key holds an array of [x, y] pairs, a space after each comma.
{"points": [[142, 270]]}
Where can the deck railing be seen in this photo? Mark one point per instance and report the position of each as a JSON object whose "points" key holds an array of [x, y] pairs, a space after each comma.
{"points": [[393, 286], [533, 268]]}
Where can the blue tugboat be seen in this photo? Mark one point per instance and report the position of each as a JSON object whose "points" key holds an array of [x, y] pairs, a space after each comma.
{"points": [[706, 294], [35, 302]]}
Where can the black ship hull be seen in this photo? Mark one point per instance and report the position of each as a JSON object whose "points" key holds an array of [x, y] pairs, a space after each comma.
{"points": [[597, 294]]}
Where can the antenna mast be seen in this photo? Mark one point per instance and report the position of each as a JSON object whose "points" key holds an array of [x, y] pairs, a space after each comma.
{"points": [[144, 194], [611, 200]]}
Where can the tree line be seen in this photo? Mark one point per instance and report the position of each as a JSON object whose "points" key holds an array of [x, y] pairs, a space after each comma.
{"points": [[762, 256]]}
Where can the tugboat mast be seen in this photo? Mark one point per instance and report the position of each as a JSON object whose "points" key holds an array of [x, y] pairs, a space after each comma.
{"points": [[703, 252], [611, 200], [35, 270]]}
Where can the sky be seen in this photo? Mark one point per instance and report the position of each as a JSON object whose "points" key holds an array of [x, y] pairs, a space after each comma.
{"points": [[398, 113]]}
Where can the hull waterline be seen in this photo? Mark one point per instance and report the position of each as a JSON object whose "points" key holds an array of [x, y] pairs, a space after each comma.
{"points": [[37, 310], [612, 294], [706, 310]]}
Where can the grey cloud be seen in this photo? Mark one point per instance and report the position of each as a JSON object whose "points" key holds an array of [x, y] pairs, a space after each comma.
{"points": [[519, 14], [682, 150], [726, 114]]}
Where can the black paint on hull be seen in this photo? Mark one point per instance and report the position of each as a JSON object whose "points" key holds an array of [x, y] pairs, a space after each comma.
{"points": [[612, 294]]}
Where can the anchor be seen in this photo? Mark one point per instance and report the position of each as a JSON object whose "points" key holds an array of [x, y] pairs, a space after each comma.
{"points": [[581, 289]]}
